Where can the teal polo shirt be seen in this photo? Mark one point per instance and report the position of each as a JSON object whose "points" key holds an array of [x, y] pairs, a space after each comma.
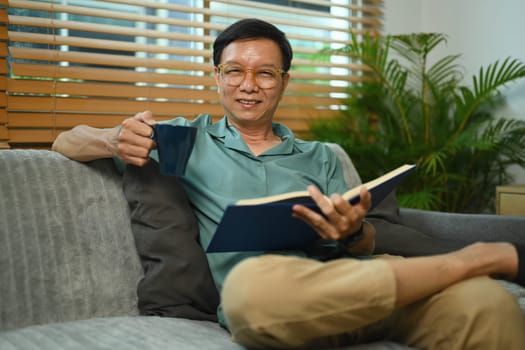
{"points": [[222, 170]]}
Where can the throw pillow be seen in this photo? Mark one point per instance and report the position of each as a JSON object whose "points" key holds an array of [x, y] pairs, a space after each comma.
{"points": [[177, 281], [392, 237]]}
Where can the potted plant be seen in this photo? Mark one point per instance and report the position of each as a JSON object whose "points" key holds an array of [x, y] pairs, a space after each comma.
{"points": [[407, 110]]}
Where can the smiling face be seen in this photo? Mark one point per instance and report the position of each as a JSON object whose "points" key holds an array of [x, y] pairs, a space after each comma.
{"points": [[248, 104]]}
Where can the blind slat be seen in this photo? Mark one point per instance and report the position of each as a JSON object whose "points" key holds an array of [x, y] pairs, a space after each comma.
{"points": [[107, 29], [107, 90], [128, 92], [3, 49], [95, 105], [4, 132], [31, 135], [50, 39], [106, 74], [20, 120], [105, 59]]}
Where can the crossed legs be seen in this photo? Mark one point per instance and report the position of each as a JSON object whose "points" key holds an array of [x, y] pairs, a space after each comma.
{"points": [[434, 302]]}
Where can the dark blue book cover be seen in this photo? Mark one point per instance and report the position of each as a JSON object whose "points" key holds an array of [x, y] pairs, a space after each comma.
{"points": [[269, 225]]}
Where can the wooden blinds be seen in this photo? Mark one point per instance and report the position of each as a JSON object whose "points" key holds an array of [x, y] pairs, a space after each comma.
{"points": [[97, 62]]}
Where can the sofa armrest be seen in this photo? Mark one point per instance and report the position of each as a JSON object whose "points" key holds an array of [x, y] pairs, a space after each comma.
{"points": [[465, 227], [66, 247]]}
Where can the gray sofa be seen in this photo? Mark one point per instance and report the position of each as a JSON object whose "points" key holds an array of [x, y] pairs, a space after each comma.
{"points": [[69, 266]]}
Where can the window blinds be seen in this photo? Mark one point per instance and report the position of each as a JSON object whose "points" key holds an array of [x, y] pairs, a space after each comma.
{"points": [[71, 62]]}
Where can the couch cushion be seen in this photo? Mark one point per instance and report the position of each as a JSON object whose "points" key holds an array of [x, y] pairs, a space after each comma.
{"points": [[126, 333], [135, 333], [351, 175], [66, 248], [517, 291], [177, 281]]}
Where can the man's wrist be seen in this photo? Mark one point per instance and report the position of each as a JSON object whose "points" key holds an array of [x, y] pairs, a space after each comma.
{"points": [[357, 236]]}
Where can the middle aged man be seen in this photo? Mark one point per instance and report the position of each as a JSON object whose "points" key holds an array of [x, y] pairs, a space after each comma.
{"points": [[292, 299]]}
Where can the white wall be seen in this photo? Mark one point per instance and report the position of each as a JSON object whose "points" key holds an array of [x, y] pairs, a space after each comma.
{"points": [[482, 31]]}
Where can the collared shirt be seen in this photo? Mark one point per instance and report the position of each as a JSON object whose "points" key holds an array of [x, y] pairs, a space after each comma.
{"points": [[222, 169]]}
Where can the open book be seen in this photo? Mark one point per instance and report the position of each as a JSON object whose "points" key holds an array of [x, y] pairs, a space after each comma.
{"points": [[266, 223]]}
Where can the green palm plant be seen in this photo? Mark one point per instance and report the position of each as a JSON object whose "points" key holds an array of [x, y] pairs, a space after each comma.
{"points": [[407, 110]]}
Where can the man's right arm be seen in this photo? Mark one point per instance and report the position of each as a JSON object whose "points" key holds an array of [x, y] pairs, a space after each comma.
{"points": [[85, 143], [131, 141]]}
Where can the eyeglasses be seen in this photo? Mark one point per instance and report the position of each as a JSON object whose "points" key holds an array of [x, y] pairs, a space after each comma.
{"points": [[265, 78]]}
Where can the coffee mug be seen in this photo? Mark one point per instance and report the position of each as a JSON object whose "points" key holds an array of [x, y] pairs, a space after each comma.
{"points": [[174, 146]]}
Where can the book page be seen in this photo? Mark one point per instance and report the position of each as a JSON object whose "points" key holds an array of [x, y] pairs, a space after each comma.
{"points": [[304, 197], [296, 196], [377, 181]]}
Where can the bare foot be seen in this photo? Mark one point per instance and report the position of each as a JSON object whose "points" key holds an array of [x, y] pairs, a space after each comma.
{"points": [[496, 259]]}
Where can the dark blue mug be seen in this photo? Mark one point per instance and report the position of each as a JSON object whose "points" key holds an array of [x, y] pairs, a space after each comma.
{"points": [[174, 146]]}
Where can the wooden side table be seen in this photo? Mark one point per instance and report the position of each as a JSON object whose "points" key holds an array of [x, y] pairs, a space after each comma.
{"points": [[510, 200]]}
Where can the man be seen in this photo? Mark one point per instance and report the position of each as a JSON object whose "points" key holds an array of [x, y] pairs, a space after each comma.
{"points": [[291, 299]]}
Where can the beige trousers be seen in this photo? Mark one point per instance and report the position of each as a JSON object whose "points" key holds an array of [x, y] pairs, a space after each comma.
{"points": [[275, 301]]}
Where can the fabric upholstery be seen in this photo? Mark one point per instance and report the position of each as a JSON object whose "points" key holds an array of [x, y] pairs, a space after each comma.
{"points": [[135, 333], [121, 333], [177, 281], [466, 227], [351, 175], [56, 262]]}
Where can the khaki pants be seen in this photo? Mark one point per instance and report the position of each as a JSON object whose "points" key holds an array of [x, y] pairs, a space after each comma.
{"points": [[276, 301]]}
